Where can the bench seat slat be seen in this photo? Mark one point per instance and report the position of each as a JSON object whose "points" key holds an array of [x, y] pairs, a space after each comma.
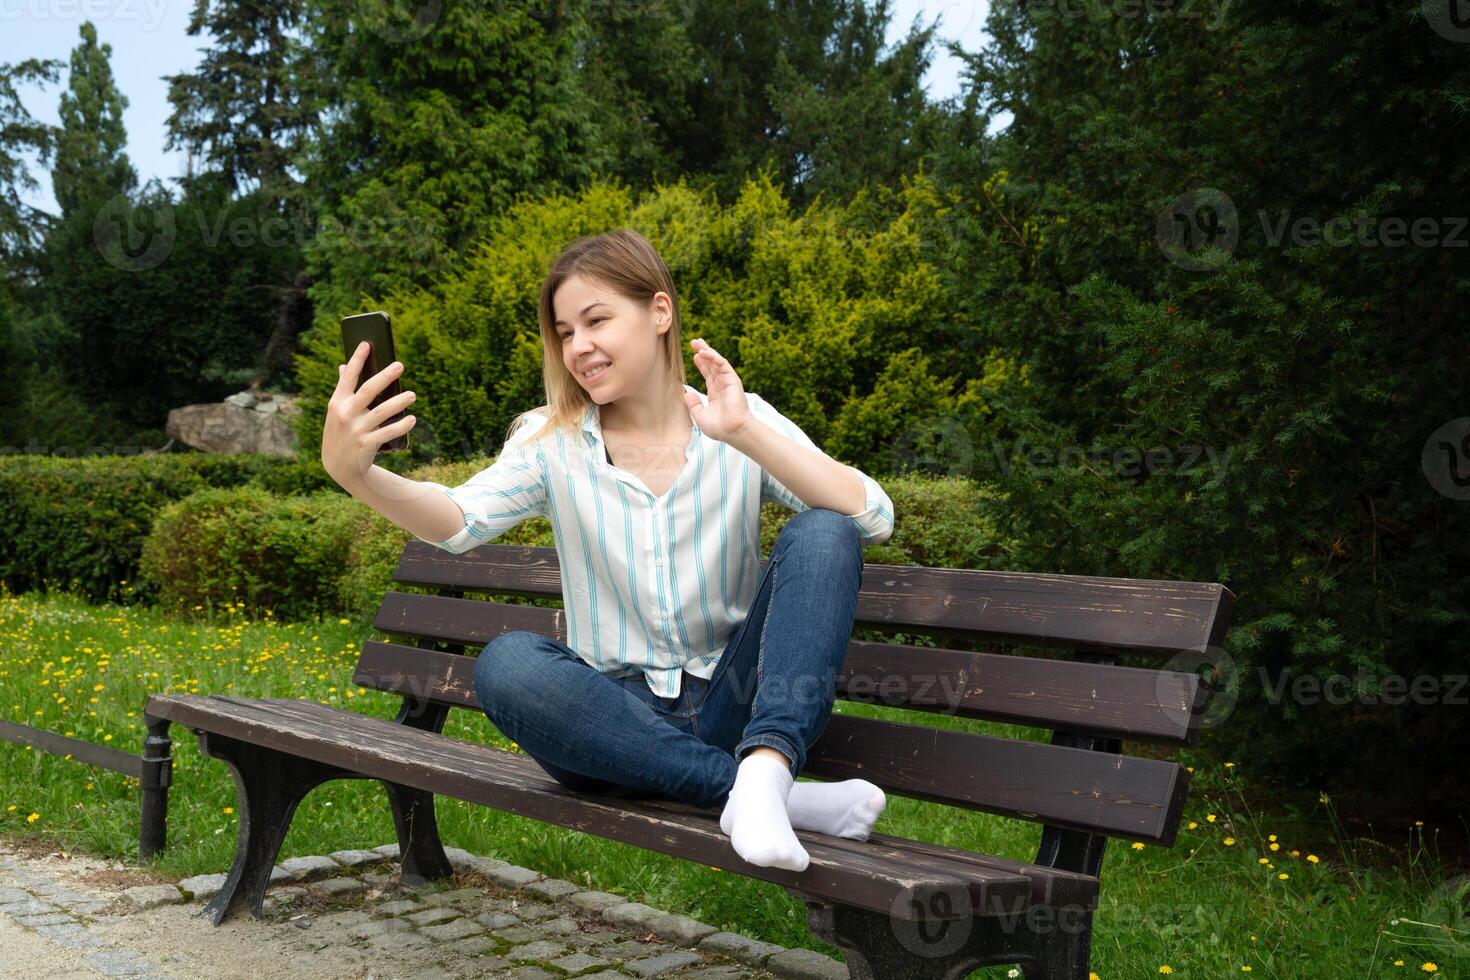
{"points": [[1049, 886], [1146, 616], [1093, 699], [481, 774], [1121, 796]]}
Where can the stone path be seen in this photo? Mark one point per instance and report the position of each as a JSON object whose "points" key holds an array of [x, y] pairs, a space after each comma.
{"points": [[346, 916]]}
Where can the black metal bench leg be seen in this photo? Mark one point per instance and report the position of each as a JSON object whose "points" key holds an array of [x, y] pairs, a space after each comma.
{"points": [[269, 785], [877, 947], [1048, 946], [420, 850], [1063, 952], [154, 781]]}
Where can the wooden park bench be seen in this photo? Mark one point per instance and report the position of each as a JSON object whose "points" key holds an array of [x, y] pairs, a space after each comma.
{"points": [[896, 907]]}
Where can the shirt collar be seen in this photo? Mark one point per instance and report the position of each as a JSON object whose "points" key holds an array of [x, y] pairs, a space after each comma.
{"points": [[592, 418]]}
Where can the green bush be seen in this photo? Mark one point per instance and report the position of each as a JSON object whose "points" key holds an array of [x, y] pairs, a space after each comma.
{"points": [[79, 523], [285, 554], [826, 313]]}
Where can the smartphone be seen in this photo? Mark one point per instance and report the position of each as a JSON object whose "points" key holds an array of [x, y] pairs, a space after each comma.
{"points": [[377, 329]]}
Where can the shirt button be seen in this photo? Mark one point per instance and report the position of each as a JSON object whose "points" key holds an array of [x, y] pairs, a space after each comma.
{"points": [[658, 559]]}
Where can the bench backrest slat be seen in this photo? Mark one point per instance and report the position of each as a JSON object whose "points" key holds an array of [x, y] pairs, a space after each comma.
{"points": [[1122, 702], [1076, 612]]}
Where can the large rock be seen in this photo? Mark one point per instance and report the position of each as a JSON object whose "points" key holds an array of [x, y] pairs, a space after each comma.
{"points": [[243, 423]]}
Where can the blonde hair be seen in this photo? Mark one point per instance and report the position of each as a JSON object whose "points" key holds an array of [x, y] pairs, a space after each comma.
{"points": [[626, 263]]}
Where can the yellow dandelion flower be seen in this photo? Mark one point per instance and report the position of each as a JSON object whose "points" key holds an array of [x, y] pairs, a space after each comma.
{"points": [[229, 809], [1270, 836], [1429, 967], [1166, 968], [1275, 847], [1229, 842], [1263, 861], [1193, 825], [33, 818], [1210, 817], [1312, 859], [1137, 846], [1246, 968], [1398, 962], [10, 808], [1418, 823], [1229, 765], [1323, 797], [1283, 876], [344, 622]]}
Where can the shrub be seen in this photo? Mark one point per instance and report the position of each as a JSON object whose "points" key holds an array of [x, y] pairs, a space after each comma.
{"points": [[79, 523], [285, 554]]}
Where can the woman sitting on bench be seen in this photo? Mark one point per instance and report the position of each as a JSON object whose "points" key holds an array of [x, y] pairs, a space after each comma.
{"points": [[687, 674]]}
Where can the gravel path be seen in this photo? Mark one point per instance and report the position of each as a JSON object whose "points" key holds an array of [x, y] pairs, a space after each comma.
{"points": [[345, 916]]}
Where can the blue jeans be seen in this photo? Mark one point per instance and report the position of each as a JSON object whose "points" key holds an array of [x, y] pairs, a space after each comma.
{"points": [[773, 685]]}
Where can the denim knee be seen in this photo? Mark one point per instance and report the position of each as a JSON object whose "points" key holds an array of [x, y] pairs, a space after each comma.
{"points": [[498, 668], [836, 532]]}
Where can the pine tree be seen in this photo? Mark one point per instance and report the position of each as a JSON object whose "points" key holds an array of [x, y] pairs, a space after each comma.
{"points": [[245, 108], [20, 134], [436, 128], [91, 166], [718, 89], [1124, 242]]}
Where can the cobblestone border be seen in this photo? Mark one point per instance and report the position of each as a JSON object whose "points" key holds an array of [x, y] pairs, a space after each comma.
{"points": [[529, 940]]}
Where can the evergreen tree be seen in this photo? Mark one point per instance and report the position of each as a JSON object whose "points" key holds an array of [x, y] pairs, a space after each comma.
{"points": [[718, 89], [21, 225], [245, 108], [1148, 238], [435, 127], [90, 163], [248, 110]]}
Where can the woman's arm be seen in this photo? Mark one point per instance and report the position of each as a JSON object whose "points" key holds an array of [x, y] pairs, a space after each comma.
{"points": [[418, 507], [816, 478]]}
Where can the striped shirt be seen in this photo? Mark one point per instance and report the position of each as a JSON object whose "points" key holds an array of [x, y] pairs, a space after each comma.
{"points": [[651, 584]]}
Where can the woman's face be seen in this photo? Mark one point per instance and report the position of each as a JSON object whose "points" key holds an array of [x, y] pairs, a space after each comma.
{"points": [[596, 326]]}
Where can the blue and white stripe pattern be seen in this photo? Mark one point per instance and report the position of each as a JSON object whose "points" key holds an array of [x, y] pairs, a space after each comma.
{"points": [[654, 584]]}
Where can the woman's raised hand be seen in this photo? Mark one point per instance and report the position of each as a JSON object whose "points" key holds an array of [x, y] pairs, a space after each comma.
{"points": [[726, 412], [352, 437]]}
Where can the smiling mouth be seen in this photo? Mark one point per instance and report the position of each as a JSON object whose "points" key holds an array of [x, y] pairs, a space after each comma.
{"points": [[595, 372]]}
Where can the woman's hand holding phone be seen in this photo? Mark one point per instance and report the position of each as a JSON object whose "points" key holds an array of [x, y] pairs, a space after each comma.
{"points": [[352, 436]]}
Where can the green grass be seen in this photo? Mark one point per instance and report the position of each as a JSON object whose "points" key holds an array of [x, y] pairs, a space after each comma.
{"points": [[1205, 908]]}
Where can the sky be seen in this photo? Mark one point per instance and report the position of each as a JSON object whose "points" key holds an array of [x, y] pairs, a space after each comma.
{"points": [[150, 39]]}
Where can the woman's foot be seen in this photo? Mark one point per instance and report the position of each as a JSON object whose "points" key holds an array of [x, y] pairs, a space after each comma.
{"points": [[755, 817], [845, 809]]}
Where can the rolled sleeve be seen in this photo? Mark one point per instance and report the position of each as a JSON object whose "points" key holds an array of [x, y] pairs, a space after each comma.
{"points": [[874, 523], [508, 491], [876, 520]]}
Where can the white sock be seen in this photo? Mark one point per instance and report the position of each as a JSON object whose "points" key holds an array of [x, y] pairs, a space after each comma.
{"points": [[845, 809], [755, 818]]}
